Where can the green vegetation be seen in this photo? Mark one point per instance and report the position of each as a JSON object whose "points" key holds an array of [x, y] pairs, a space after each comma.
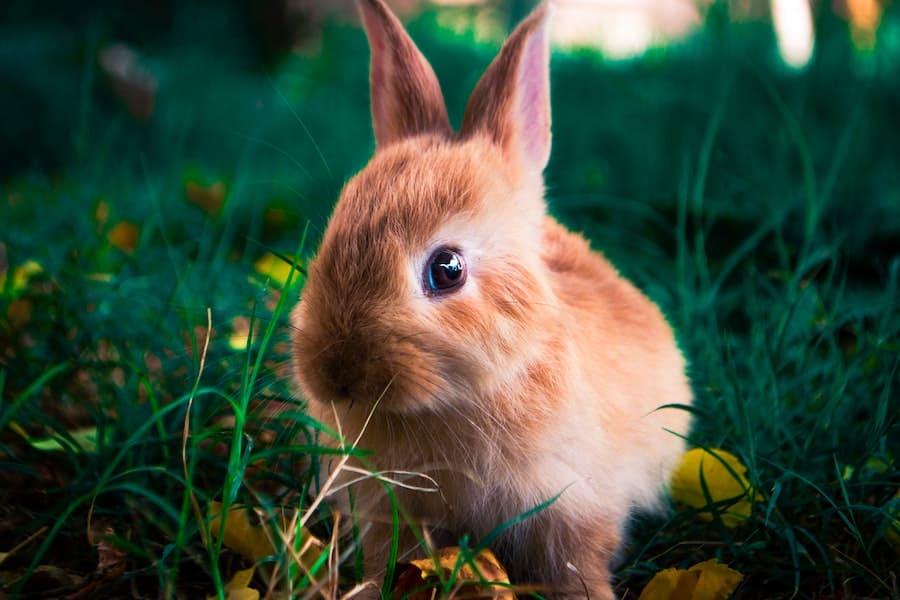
{"points": [[759, 206]]}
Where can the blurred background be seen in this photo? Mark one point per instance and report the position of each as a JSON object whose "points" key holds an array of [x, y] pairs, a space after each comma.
{"points": [[258, 110], [65, 67], [270, 96]]}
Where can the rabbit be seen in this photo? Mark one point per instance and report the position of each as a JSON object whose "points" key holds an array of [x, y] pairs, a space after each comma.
{"points": [[483, 359]]}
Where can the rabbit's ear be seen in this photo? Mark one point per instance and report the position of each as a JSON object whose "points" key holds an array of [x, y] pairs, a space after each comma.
{"points": [[511, 102], [406, 95]]}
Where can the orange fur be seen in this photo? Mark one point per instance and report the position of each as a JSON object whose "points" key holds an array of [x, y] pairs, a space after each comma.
{"points": [[541, 376]]}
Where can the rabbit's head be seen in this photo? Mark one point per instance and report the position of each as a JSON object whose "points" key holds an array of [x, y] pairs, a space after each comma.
{"points": [[428, 287]]}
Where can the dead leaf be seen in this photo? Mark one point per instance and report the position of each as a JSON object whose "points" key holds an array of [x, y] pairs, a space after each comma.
{"points": [[671, 584], [208, 197], [481, 569], [124, 236], [19, 313], [84, 439], [709, 580], [109, 556], [238, 587], [250, 541], [110, 564], [274, 267], [240, 334], [724, 478], [21, 275], [254, 542]]}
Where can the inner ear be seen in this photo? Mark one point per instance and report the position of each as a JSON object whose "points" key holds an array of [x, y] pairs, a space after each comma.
{"points": [[511, 102], [406, 95]]}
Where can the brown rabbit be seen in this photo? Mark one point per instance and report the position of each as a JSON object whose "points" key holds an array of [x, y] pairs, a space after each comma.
{"points": [[460, 333]]}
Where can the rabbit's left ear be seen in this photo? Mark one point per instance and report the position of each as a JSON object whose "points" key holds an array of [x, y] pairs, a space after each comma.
{"points": [[511, 102]]}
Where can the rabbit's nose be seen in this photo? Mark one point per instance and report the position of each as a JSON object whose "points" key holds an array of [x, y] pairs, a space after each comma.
{"points": [[345, 367]]}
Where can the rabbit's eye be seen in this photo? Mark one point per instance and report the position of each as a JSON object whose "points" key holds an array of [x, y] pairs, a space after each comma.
{"points": [[444, 272]]}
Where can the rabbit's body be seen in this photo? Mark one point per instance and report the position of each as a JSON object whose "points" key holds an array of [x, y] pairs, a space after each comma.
{"points": [[539, 375]]}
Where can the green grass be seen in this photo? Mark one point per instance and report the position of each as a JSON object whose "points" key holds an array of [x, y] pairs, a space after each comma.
{"points": [[759, 207]]}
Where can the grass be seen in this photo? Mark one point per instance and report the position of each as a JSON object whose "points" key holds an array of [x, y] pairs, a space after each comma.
{"points": [[759, 207]]}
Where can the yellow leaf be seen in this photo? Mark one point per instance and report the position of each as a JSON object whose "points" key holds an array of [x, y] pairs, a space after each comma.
{"points": [[240, 332], [879, 464], [238, 588], [255, 542], [724, 478], [21, 275], [273, 267], [84, 438], [709, 580], [250, 541], [671, 584], [124, 236], [717, 581], [483, 568]]}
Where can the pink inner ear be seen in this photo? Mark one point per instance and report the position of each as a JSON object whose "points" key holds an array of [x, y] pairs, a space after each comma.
{"points": [[533, 98]]}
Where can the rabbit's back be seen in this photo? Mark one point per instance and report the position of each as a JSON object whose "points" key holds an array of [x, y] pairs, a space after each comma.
{"points": [[629, 373]]}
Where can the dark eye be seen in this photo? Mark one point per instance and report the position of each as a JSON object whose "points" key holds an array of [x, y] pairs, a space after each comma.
{"points": [[444, 272]]}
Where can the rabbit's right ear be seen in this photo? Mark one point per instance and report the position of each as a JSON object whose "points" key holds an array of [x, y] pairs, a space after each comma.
{"points": [[511, 102], [406, 95]]}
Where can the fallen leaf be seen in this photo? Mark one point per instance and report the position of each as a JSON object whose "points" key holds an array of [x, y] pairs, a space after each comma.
{"points": [[876, 464], [208, 197], [724, 478], [709, 580], [671, 584], [109, 556], [238, 587], [250, 541], [240, 334], [274, 267], [254, 542], [110, 564], [85, 439], [21, 275], [19, 312], [124, 236], [717, 581], [481, 569]]}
